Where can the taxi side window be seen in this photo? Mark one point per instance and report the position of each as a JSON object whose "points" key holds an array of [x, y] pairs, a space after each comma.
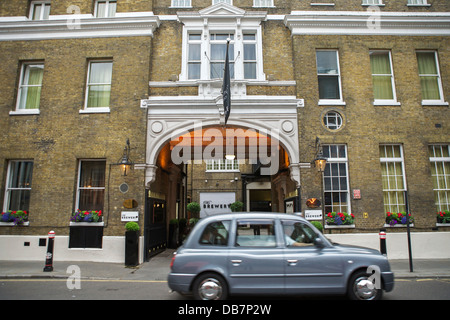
{"points": [[216, 233], [297, 234], [255, 233]]}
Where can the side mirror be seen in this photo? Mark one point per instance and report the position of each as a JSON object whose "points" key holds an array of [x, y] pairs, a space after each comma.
{"points": [[318, 242]]}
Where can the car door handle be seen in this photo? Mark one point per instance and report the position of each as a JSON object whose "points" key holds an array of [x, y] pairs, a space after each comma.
{"points": [[292, 262], [236, 262]]}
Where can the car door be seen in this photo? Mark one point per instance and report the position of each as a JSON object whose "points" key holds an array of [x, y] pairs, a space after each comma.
{"points": [[256, 258], [309, 268]]}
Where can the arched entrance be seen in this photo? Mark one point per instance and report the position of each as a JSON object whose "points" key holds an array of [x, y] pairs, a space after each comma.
{"points": [[183, 131]]}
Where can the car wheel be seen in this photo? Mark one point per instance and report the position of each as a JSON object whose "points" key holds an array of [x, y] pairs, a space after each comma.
{"points": [[210, 286], [361, 288]]}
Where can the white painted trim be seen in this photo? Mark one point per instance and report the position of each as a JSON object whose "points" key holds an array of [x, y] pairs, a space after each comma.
{"points": [[78, 26], [359, 23]]}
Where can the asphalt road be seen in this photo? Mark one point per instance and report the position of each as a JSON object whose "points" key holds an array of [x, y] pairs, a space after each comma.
{"points": [[59, 289]]}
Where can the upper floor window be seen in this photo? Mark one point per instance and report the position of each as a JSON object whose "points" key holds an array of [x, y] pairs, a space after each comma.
{"points": [[430, 77], [224, 1], [218, 49], [263, 3], [29, 93], [105, 8], [329, 77], [98, 92], [39, 10], [418, 2], [181, 3], [222, 165], [372, 2], [382, 77]]}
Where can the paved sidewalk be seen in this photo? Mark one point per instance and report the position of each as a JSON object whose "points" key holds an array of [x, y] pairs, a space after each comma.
{"points": [[158, 268]]}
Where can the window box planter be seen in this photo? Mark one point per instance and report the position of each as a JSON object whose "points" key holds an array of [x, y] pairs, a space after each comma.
{"points": [[14, 218], [443, 218], [86, 229], [338, 220], [398, 220]]}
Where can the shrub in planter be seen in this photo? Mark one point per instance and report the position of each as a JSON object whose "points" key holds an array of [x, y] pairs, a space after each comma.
{"points": [[236, 206], [318, 225], [132, 244], [194, 209]]}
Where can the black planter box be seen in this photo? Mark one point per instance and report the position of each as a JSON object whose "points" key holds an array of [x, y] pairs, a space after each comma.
{"points": [[85, 236], [173, 236], [131, 248]]}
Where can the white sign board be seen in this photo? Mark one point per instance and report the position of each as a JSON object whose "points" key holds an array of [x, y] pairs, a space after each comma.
{"points": [[129, 216], [313, 214], [215, 202]]}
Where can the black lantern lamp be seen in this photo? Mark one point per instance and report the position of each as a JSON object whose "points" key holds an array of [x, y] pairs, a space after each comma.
{"points": [[125, 162], [320, 162]]}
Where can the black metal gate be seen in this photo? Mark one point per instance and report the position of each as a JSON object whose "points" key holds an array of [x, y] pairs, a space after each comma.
{"points": [[155, 230]]}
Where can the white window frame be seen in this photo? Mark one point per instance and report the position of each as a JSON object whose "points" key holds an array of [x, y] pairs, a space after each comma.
{"points": [[338, 160], [222, 165], [340, 101], [230, 2], [441, 204], [107, 2], [24, 77], [263, 4], [337, 116], [418, 3], [205, 32], [8, 189], [42, 14], [396, 160], [393, 101], [77, 197], [372, 3], [87, 109], [440, 101], [181, 4]]}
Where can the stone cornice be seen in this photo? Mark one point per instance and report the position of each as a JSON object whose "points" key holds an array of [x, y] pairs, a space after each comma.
{"points": [[371, 22], [78, 26]]}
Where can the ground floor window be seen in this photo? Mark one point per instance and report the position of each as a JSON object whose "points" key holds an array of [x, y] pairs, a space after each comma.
{"points": [[335, 179], [440, 173], [91, 185], [18, 185], [393, 178]]}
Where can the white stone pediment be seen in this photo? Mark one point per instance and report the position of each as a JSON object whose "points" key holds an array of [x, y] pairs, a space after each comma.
{"points": [[221, 9]]}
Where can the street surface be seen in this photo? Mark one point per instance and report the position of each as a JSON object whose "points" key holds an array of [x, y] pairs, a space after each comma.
{"points": [[57, 289]]}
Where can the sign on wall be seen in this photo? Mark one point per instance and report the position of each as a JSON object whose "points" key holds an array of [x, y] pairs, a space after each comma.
{"points": [[215, 202], [129, 216]]}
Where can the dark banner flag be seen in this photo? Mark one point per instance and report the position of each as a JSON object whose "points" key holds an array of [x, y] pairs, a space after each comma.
{"points": [[226, 90]]}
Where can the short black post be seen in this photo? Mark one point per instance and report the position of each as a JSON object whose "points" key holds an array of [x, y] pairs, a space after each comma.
{"points": [[49, 257], [383, 242]]}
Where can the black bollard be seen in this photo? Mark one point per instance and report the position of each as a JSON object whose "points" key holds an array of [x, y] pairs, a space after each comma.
{"points": [[383, 242], [49, 257]]}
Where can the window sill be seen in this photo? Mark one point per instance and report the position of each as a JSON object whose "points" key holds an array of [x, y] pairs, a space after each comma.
{"points": [[95, 110], [25, 112], [398, 225], [419, 5], [331, 103], [442, 224], [434, 103], [344, 226], [386, 103]]}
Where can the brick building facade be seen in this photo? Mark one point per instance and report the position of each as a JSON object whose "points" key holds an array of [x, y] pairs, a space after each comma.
{"points": [[365, 82]]}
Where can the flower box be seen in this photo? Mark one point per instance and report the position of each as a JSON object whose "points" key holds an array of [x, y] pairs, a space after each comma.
{"points": [[443, 218], [86, 216], [398, 219], [339, 220], [86, 229], [14, 218]]}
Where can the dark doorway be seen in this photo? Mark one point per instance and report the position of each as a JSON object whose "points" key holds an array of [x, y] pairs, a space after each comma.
{"points": [[155, 233]]}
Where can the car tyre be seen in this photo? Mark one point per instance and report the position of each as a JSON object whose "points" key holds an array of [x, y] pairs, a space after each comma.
{"points": [[210, 286], [361, 288]]}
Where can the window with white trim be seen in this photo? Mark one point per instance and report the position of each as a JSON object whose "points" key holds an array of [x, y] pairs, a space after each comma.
{"points": [[262, 3], [430, 77], [372, 2], [224, 1], [393, 178], [91, 185], [222, 165], [39, 10], [181, 3], [105, 8], [418, 2], [18, 185], [329, 78], [98, 91], [335, 179], [204, 49], [29, 93], [440, 173], [382, 77]]}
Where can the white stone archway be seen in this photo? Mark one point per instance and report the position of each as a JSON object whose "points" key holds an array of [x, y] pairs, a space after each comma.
{"points": [[170, 117]]}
